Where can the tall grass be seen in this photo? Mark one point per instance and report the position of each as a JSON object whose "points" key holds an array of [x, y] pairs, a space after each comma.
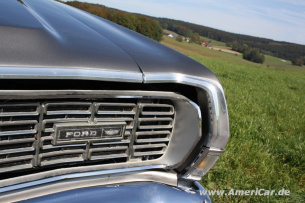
{"points": [[267, 122], [266, 106]]}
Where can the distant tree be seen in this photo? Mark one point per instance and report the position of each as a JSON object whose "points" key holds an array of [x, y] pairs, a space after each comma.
{"points": [[181, 30], [188, 33], [228, 44], [235, 46], [253, 55], [184, 31], [150, 28], [126, 20], [110, 16], [244, 48], [144, 25], [195, 38], [158, 31], [164, 26], [297, 61]]}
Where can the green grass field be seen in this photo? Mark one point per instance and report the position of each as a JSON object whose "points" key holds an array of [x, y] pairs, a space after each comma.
{"points": [[266, 104]]}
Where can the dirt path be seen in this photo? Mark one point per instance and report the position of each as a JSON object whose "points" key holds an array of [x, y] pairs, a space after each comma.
{"points": [[225, 50]]}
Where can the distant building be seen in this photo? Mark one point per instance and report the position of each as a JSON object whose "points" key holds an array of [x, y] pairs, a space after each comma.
{"points": [[172, 35], [206, 44], [186, 39]]}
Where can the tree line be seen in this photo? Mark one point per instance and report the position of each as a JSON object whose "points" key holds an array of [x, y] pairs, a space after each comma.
{"points": [[250, 54], [284, 50], [138, 23]]}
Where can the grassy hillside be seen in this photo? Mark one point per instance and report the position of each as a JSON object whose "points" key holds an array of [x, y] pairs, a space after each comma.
{"points": [[214, 42], [283, 50], [267, 122]]}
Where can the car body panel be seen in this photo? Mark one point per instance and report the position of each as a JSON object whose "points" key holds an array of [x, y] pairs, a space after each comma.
{"points": [[140, 192], [60, 42], [56, 35]]}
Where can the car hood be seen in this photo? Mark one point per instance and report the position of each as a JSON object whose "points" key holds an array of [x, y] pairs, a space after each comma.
{"points": [[51, 34]]}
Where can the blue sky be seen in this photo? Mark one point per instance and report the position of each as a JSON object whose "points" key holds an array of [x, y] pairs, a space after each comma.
{"points": [[282, 20]]}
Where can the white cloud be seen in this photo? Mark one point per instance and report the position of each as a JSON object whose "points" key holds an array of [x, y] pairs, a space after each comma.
{"points": [[294, 2]]}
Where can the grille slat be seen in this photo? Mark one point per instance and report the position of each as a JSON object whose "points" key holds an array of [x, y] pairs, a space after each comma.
{"points": [[17, 165], [120, 108], [115, 113], [46, 147], [61, 159], [152, 136], [142, 154], [109, 149], [114, 156], [16, 141], [18, 114], [67, 108], [64, 152], [139, 147], [27, 132], [110, 143], [18, 127], [25, 149], [14, 159], [155, 123], [157, 109], [108, 152], [148, 150], [12, 110]]}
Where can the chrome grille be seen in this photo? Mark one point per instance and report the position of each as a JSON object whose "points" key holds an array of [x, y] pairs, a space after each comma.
{"points": [[117, 112], [18, 134], [155, 125], [27, 132]]}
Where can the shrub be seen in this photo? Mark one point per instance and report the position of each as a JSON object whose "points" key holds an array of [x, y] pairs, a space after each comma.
{"points": [[297, 61], [179, 38], [253, 55]]}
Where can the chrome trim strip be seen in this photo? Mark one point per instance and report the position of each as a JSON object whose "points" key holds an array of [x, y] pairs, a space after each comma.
{"points": [[216, 151], [89, 181], [199, 115], [78, 175], [15, 72], [220, 129], [63, 94]]}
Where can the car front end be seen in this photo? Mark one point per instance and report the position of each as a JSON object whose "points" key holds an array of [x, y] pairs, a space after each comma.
{"points": [[90, 107]]}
